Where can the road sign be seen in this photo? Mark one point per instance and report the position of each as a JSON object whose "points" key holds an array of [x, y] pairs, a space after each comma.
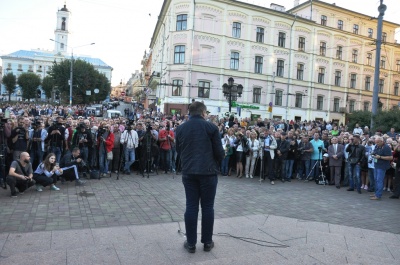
{"points": [[122, 93], [269, 109], [270, 104]]}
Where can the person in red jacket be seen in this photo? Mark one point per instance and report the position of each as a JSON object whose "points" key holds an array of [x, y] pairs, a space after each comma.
{"points": [[105, 144]]}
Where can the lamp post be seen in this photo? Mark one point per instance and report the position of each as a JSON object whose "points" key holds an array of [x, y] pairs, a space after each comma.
{"points": [[72, 67], [232, 92]]}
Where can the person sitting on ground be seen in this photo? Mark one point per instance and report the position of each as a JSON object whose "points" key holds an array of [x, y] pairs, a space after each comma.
{"points": [[70, 163], [20, 175], [47, 172]]}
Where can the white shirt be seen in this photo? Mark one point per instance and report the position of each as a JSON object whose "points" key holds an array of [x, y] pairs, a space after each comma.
{"points": [[130, 138]]}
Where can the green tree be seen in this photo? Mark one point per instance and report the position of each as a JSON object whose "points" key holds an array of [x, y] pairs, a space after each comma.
{"points": [[9, 81], [47, 85], [85, 77], [29, 83], [384, 120], [361, 117]]}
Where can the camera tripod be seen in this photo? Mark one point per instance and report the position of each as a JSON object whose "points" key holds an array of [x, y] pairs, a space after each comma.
{"points": [[321, 179], [146, 158], [3, 157]]}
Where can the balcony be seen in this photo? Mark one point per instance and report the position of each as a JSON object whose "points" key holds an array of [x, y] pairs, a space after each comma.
{"points": [[154, 79]]}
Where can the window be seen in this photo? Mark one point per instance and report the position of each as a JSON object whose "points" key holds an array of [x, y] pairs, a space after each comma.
{"points": [[177, 87], [370, 33], [258, 65], [322, 48], [321, 75], [323, 20], [179, 54], [260, 35], [280, 67], [300, 71], [235, 60], [352, 106], [281, 39], [236, 29], [320, 102], [62, 46], [396, 88], [368, 83], [383, 62], [181, 22], [302, 44], [20, 67], [381, 85], [299, 100], [355, 29], [339, 52], [398, 65], [354, 56], [257, 95], [340, 24], [369, 58], [30, 69], [204, 89], [336, 105], [384, 36], [353, 80], [338, 78], [366, 106], [278, 97]]}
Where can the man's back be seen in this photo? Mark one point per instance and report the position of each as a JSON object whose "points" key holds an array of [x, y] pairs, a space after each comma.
{"points": [[199, 145]]}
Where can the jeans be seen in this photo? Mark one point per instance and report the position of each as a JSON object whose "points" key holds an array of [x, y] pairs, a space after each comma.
{"points": [[165, 158], [129, 158], [347, 181], [36, 156], [316, 170], [199, 188], [84, 153], [379, 175], [57, 152], [371, 179], [224, 165], [280, 166], [173, 158], [289, 168], [103, 162], [354, 176]]}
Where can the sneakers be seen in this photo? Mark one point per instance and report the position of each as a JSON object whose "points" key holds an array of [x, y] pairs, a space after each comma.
{"points": [[375, 198], [247, 176], [39, 187], [79, 182], [272, 182], [251, 176], [190, 249], [388, 189], [54, 187], [384, 189], [365, 187], [208, 246], [14, 195], [362, 186]]}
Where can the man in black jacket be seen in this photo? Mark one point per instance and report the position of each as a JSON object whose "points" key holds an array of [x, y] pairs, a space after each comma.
{"points": [[70, 164], [199, 145], [356, 154], [282, 151]]}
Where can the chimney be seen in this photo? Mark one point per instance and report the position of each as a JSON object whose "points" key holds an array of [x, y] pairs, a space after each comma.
{"points": [[296, 3], [277, 7]]}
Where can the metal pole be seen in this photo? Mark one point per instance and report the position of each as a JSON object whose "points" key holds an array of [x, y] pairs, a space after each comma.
{"points": [[290, 66], [230, 99], [381, 9], [272, 93], [71, 77]]}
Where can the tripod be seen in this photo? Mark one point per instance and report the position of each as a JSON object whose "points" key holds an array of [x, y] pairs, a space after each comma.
{"points": [[3, 157], [261, 157], [147, 153], [321, 179]]}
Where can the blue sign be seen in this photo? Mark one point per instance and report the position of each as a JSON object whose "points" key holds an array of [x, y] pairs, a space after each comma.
{"points": [[270, 104]]}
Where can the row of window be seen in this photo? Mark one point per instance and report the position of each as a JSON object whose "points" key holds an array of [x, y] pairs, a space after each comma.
{"points": [[340, 25], [30, 67]]}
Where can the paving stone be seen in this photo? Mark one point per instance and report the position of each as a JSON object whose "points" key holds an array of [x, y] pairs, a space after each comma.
{"points": [[112, 235], [93, 255], [71, 239], [41, 257], [26, 242]]}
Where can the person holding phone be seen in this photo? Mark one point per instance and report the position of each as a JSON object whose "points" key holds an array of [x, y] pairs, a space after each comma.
{"points": [[47, 172]]}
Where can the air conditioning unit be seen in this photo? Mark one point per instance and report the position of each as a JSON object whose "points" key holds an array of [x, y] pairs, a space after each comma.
{"points": [[343, 110]]}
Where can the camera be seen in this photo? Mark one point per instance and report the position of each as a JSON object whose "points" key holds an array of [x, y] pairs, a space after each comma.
{"points": [[319, 148], [148, 127], [101, 131]]}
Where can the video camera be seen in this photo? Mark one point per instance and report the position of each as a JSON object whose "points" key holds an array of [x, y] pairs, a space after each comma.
{"points": [[129, 123], [148, 127]]}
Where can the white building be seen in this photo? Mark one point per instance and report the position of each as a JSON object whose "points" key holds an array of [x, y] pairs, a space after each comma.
{"points": [[41, 61], [308, 66]]}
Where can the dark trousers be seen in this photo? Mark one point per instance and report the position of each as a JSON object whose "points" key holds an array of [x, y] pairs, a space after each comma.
{"points": [[70, 173], [199, 188], [116, 159], [268, 166], [45, 180], [335, 175], [396, 184], [18, 183], [165, 159]]}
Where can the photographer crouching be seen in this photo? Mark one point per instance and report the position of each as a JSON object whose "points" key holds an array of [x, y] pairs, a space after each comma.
{"points": [[71, 164]]}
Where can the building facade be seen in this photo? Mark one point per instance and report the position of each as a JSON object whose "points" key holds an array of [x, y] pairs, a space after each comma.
{"points": [[306, 63], [41, 61]]}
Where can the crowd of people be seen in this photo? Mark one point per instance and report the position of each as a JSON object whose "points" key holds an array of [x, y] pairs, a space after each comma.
{"points": [[65, 143]]}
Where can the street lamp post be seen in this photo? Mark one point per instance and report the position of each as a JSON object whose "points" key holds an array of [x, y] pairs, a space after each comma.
{"points": [[232, 92], [72, 67]]}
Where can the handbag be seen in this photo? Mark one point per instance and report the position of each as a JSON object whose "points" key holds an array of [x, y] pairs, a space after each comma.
{"points": [[353, 160], [110, 155]]}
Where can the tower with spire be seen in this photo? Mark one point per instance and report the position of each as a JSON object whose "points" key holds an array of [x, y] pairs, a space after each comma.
{"points": [[62, 30]]}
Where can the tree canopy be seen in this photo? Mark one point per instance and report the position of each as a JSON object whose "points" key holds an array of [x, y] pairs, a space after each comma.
{"points": [[383, 120], [85, 77], [29, 83], [47, 85], [9, 81]]}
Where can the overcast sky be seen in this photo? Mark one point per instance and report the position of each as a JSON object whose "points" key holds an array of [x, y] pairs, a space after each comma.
{"points": [[121, 29]]}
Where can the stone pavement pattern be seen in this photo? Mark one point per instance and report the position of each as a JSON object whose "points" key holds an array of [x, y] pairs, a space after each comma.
{"points": [[135, 221], [305, 242]]}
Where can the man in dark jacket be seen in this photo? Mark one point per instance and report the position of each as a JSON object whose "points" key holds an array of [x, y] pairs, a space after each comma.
{"points": [[199, 145], [282, 151]]}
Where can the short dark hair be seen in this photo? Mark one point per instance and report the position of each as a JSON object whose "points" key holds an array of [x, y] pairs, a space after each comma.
{"points": [[75, 149], [197, 108]]}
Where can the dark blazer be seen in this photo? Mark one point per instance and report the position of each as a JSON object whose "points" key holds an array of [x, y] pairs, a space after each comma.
{"points": [[282, 146], [199, 145], [340, 154]]}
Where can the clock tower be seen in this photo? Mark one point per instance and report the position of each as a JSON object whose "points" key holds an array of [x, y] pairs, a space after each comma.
{"points": [[62, 30]]}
